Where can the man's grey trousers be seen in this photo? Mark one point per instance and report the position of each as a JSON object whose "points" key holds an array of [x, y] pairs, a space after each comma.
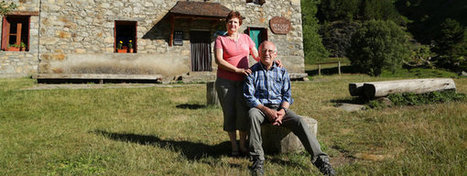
{"points": [[290, 121]]}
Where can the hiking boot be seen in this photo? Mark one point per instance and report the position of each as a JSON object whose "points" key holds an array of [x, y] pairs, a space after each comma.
{"points": [[256, 168], [322, 163]]}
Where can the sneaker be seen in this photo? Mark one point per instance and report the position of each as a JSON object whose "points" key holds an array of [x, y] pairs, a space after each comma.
{"points": [[322, 163], [256, 168]]}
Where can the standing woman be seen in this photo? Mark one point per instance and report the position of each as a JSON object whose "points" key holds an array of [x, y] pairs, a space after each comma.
{"points": [[232, 51]]}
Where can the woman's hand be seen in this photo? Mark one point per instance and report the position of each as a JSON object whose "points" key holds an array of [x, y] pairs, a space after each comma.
{"points": [[279, 63], [242, 71]]}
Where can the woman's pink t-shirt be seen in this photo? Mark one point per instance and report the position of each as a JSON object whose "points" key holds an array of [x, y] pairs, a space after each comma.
{"points": [[235, 53]]}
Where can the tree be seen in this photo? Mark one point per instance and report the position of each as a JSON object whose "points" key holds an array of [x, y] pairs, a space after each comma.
{"points": [[312, 46], [451, 45], [6, 7], [450, 39], [380, 10], [334, 10], [377, 45]]}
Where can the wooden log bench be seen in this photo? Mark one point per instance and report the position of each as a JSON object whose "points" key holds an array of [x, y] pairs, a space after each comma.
{"points": [[384, 88], [99, 78], [281, 140]]}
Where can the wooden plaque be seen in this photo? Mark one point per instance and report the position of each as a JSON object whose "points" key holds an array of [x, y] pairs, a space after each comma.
{"points": [[280, 25]]}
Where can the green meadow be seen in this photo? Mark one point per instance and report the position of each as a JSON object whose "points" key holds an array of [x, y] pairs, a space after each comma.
{"points": [[169, 130]]}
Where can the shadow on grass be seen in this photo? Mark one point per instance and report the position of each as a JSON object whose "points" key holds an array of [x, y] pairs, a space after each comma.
{"points": [[289, 163], [191, 150], [353, 100], [190, 106]]}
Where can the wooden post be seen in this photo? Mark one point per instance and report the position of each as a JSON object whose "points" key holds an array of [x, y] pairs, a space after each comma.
{"points": [[211, 94], [339, 67], [172, 29], [319, 69]]}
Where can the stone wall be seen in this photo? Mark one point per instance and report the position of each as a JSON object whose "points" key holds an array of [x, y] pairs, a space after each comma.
{"points": [[82, 33]]}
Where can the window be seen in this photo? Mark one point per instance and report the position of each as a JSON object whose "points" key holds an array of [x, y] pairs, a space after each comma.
{"points": [[259, 2], [258, 35], [15, 33], [125, 36]]}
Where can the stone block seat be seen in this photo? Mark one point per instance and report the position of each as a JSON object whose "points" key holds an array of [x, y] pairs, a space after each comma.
{"points": [[281, 140]]}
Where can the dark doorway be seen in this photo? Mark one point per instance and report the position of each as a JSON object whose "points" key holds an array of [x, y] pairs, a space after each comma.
{"points": [[125, 32], [200, 51]]}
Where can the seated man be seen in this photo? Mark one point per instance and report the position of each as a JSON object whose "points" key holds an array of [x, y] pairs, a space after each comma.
{"points": [[267, 93]]}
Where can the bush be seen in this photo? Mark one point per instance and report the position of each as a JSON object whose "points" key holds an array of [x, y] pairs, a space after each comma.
{"points": [[377, 45], [426, 98], [420, 56], [336, 36], [411, 99]]}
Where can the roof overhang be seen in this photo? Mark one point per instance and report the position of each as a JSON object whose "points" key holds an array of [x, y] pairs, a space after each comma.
{"points": [[194, 11]]}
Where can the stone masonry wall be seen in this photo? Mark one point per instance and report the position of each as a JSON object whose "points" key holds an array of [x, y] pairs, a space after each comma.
{"points": [[78, 36]]}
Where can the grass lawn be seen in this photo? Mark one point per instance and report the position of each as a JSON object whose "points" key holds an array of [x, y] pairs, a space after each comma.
{"points": [[170, 131]]}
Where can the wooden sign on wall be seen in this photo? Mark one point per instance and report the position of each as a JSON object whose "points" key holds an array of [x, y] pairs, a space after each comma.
{"points": [[280, 25]]}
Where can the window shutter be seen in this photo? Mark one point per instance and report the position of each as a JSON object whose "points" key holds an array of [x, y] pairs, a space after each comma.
{"points": [[265, 34], [248, 1], [261, 2], [135, 37], [5, 33]]}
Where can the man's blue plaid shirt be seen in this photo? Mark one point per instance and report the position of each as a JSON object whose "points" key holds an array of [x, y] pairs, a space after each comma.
{"points": [[267, 87]]}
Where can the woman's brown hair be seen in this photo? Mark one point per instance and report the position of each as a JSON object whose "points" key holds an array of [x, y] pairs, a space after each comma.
{"points": [[234, 14]]}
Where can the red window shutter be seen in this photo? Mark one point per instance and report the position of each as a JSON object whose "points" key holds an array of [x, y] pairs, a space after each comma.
{"points": [[5, 33]]}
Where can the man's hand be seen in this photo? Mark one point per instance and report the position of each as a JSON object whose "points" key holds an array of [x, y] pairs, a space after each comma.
{"points": [[280, 115], [271, 114]]}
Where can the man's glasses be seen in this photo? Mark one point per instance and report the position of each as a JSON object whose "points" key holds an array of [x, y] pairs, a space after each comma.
{"points": [[270, 51]]}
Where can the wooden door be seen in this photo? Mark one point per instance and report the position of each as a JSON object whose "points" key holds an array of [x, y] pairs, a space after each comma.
{"points": [[200, 51]]}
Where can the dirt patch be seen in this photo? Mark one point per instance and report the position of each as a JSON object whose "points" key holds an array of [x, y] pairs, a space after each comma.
{"points": [[342, 159]]}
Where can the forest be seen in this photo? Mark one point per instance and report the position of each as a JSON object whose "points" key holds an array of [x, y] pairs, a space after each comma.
{"points": [[387, 34]]}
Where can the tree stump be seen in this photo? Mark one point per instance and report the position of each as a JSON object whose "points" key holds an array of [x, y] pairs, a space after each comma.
{"points": [[281, 140], [211, 94]]}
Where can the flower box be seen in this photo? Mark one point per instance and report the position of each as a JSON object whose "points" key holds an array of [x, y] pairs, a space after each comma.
{"points": [[12, 48]]}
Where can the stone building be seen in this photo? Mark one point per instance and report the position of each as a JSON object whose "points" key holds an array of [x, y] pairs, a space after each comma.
{"points": [[170, 38]]}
